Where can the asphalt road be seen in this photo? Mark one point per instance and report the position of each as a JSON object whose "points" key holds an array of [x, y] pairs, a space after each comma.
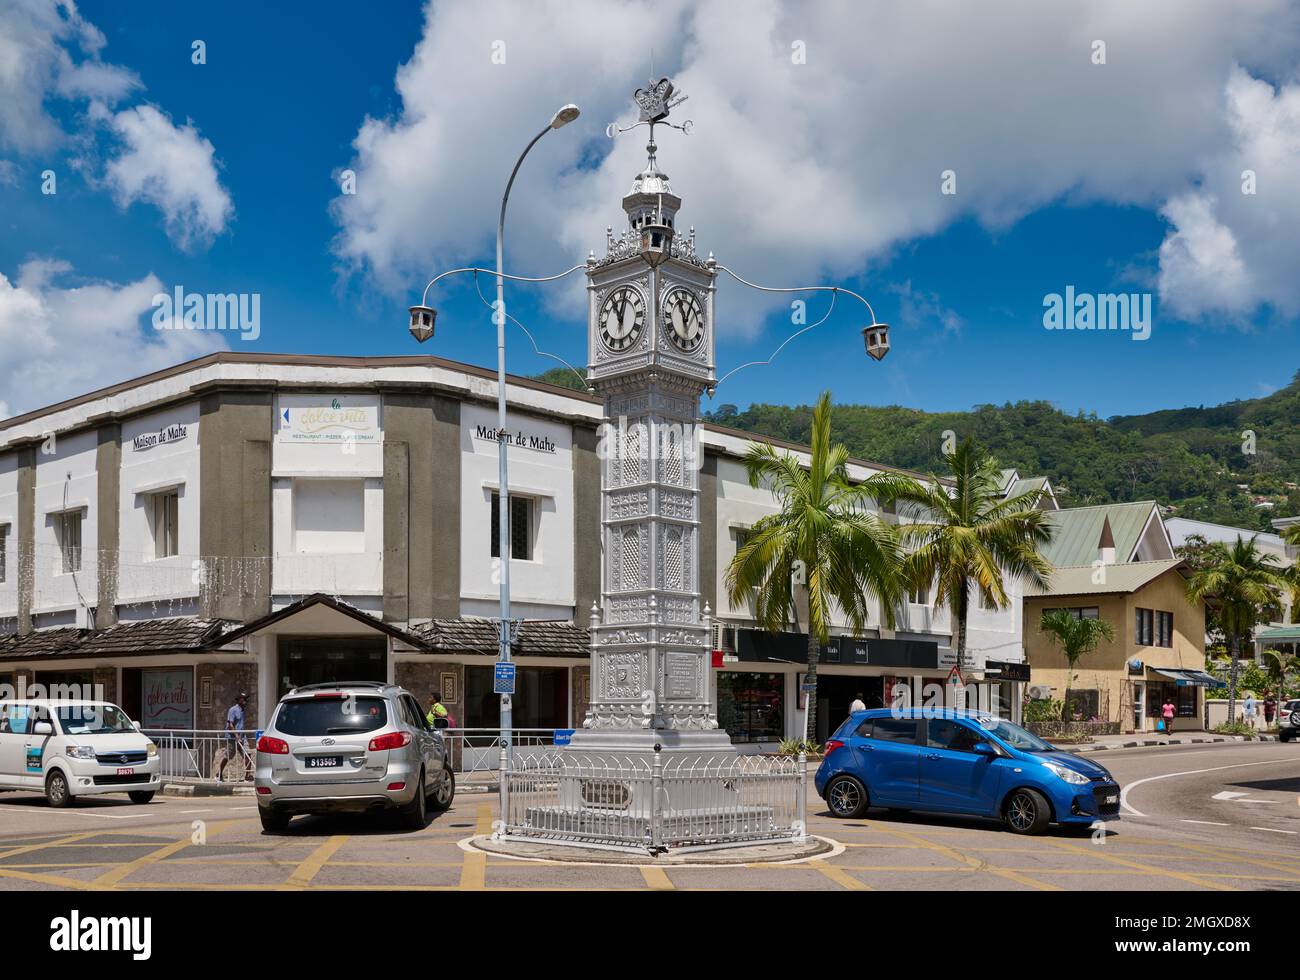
{"points": [[1186, 839]]}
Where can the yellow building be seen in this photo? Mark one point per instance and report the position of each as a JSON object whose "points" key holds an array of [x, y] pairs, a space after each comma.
{"points": [[1115, 562]]}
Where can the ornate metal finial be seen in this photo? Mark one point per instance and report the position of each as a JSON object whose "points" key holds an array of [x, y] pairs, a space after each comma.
{"points": [[654, 103]]}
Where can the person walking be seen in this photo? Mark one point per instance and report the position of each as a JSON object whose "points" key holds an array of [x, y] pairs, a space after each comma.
{"points": [[438, 715], [234, 746], [1167, 712], [1248, 707]]}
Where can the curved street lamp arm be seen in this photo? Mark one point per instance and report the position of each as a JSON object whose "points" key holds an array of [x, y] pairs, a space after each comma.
{"points": [[531, 339], [800, 289], [772, 357], [492, 272]]}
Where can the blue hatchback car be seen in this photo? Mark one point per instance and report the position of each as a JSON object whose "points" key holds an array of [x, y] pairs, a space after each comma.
{"points": [[960, 762]]}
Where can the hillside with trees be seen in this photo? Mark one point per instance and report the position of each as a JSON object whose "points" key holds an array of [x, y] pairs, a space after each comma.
{"points": [[1237, 463]]}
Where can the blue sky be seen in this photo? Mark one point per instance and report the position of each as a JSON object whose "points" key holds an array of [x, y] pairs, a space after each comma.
{"points": [[1087, 198]]}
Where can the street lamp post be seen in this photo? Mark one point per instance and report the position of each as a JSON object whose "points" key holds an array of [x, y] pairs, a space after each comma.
{"points": [[422, 321]]}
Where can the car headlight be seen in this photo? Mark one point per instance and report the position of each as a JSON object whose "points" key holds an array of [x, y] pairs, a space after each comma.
{"points": [[151, 749], [1069, 775], [81, 752]]}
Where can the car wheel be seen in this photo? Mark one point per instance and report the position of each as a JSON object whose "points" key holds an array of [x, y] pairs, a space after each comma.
{"points": [[1026, 812], [413, 814], [846, 797], [446, 791], [140, 795], [56, 789], [274, 821]]}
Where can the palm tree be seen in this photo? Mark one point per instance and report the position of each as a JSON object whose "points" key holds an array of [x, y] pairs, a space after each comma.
{"points": [[1242, 582], [1076, 637], [825, 537], [966, 535]]}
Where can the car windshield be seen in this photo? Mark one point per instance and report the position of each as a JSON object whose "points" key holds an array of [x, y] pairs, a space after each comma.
{"points": [[336, 715], [92, 719], [1013, 735]]}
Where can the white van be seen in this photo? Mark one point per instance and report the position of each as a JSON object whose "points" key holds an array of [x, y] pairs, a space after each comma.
{"points": [[67, 749]]}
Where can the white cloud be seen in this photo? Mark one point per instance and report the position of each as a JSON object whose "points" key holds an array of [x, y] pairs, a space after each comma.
{"points": [[796, 172], [47, 330], [173, 168], [1230, 251], [47, 48]]}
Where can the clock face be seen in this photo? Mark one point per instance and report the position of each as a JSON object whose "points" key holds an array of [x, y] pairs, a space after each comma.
{"points": [[684, 319], [622, 316]]}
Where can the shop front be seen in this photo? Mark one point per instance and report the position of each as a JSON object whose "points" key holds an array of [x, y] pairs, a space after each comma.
{"points": [[1182, 688]]}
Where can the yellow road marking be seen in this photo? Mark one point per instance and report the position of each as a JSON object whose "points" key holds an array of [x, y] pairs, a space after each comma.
{"points": [[67, 841], [974, 863], [1222, 854], [310, 865], [1190, 878], [473, 870], [840, 877], [57, 880], [110, 879], [656, 878]]}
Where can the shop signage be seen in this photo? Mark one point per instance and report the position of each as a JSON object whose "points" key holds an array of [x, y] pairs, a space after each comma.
{"points": [[169, 433], [328, 419], [763, 647], [1003, 670], [525, 440], [167, 698]]}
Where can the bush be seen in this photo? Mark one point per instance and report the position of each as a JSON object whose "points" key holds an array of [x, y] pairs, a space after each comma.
{"points": [[793, 746], [1045, 709], [1236, 728]]}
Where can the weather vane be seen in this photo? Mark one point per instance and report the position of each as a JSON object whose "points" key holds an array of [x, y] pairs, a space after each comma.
{"points": [[654, 102]]}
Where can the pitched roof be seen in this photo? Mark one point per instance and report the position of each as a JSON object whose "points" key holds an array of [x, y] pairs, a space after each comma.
{"points": [[121, 639], [1078, 531], [315, 599], [537, 637], [1126, 577]]}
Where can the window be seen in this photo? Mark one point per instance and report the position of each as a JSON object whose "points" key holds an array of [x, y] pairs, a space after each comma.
{"points": [[4, 551], [943, 733], [166, 512], [1085, 704], [750, 705], [891, 730], [1183, 697], [68, 528], [521, 527], [1164, 629], [920, 596], [1153, 628], [1079, 612]]}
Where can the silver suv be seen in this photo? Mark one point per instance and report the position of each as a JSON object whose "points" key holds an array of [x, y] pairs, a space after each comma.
{"points": [[348, 748], [1288, 720]]}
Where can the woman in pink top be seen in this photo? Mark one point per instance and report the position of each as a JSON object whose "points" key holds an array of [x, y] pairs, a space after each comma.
{"points": [[1167, 712]]}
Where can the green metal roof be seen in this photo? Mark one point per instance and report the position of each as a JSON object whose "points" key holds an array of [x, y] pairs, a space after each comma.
{"points": [[1081, 579], [1280, 633], [1078, 529]]}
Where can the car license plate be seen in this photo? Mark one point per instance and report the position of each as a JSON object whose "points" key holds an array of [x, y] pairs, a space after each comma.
{"points": [[1112, 798], [128, 771], [324, 761]]}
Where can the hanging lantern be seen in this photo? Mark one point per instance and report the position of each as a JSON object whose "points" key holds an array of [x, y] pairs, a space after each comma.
{"points": [[876, 337], [422, 318]]}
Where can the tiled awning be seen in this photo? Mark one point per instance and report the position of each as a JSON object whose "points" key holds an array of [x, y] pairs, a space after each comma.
{"points": [[175, 635], [1198, 677]]}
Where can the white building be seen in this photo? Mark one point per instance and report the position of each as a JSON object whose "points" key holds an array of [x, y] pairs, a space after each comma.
{"points": [[253, 521]]}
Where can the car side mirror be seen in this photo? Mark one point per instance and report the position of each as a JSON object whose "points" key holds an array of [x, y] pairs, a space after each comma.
{"points": [[985, 748], [42, 728]]}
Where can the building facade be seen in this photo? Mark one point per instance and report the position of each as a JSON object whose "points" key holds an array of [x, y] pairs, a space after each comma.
{"points": [[255, 521]]}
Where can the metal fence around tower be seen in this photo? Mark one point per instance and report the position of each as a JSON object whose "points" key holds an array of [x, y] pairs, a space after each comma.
{"points": [[653, 804]]}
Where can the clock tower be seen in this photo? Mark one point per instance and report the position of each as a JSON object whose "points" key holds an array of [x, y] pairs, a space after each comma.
{"points": [[651, 355]]}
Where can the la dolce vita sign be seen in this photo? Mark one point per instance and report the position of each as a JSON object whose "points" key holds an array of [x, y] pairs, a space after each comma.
{"points": [[331, 421], [525, 440]]}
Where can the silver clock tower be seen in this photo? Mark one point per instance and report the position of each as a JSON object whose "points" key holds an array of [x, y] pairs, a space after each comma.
{"points": [[651, 355]]}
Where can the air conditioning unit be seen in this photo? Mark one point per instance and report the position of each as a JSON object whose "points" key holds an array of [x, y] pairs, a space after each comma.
{"points": [[1039, 692]]}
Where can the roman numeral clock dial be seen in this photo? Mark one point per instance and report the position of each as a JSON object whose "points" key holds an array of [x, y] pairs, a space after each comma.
{"points": [[684, 320], [622, 317]]}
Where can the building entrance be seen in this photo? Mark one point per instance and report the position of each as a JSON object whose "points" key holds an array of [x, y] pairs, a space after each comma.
{"points": [[836, 692], [330, 659]]}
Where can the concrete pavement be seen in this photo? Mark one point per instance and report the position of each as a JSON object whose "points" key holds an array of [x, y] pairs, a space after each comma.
{"points": [[217, 843]]}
